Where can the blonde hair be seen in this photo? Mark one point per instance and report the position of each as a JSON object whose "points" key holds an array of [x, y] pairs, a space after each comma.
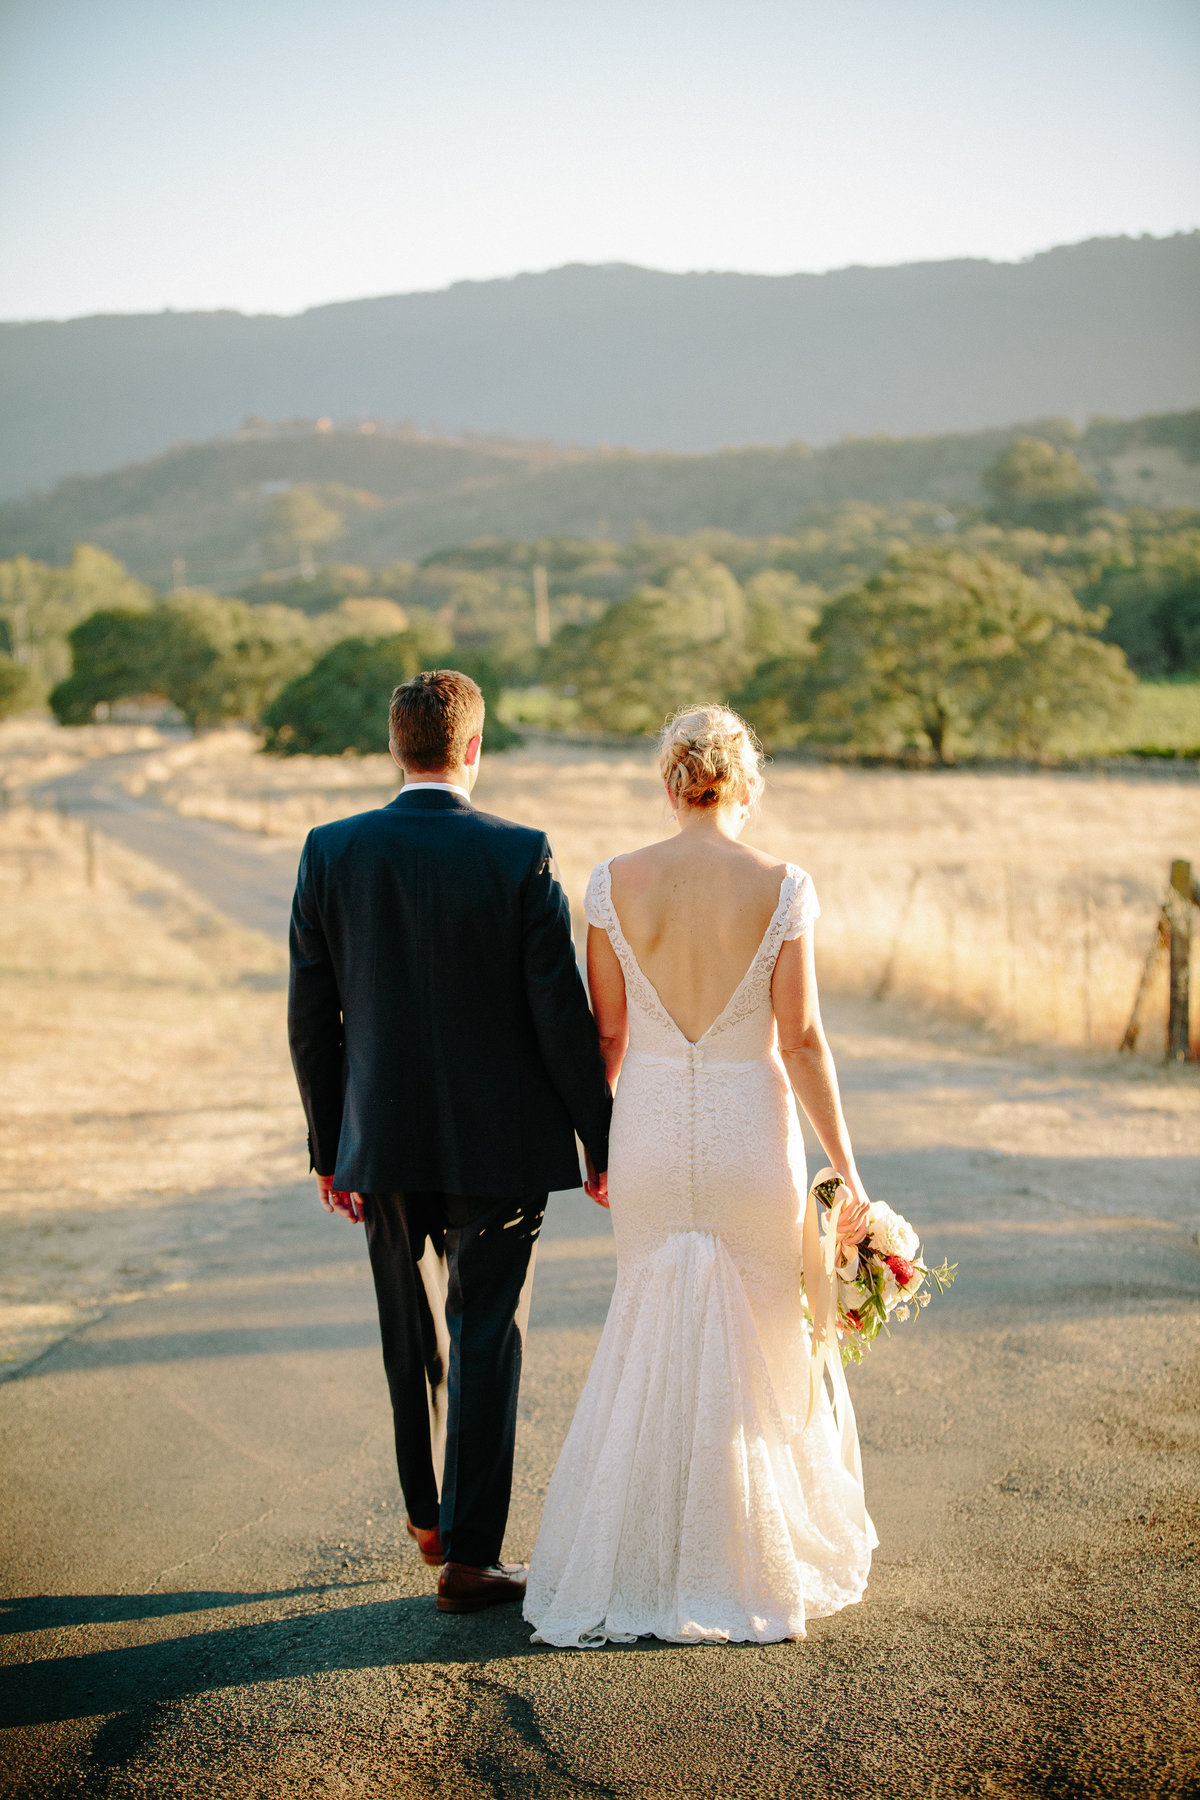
{"points": [[708, 756]]}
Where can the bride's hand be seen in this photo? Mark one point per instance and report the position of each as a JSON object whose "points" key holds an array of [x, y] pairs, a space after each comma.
{"points": [[852, 1220]]}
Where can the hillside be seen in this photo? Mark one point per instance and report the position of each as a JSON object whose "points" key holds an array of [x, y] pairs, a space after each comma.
{"points": [[403, 497], [629, 356]]}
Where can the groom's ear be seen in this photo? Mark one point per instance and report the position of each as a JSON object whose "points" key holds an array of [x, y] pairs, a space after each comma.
{"points": [[474, 746], [395, 754]]}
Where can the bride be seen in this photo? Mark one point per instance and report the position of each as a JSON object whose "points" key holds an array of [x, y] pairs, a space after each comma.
{"points": [[691, 1501]]}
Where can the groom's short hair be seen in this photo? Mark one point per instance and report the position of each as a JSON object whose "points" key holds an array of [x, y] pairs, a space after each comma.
{"points": [[433, 718]]}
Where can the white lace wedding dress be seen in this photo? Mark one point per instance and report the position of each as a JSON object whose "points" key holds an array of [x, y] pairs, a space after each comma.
{"points": [[689, 1502]]}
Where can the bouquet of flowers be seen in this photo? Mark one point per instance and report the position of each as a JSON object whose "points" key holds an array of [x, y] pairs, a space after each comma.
{"points": [[880, 1278]]}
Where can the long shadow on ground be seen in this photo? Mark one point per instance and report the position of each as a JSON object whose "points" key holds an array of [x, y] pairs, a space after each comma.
{"points": [[374, 1634]]}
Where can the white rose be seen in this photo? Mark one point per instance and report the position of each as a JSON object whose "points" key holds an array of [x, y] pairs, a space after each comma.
{"points": [[891, 1235]]}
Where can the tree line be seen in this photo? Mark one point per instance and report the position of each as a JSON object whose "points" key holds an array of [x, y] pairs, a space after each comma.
{"points": [[1018, 629]]}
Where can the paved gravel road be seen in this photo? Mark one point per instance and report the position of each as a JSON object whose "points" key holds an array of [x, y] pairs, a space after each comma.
{"points": [[210, 1591], [249, 878]]}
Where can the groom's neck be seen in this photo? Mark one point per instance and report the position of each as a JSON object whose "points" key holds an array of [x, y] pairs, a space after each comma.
{"points": [[460, 777]]}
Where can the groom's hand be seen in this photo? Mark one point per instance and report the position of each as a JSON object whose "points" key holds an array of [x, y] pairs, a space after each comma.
{"points": [[336, 1200], [596, 1185]]}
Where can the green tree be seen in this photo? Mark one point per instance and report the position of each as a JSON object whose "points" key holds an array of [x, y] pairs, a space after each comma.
{"points": [[40, 604], [782, 614], [963, 653], [17, 689], [117, 654], [1150, 584], [216, 660], [1035, 483], [229, 660], [781, 611], [341, 703], [683, 640]]}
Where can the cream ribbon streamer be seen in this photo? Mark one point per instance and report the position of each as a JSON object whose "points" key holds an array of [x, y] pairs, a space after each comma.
{"points": [[819, 1251]]}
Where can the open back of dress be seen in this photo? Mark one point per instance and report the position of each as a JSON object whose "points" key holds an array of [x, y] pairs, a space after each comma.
{"points": [[689, 1503]]}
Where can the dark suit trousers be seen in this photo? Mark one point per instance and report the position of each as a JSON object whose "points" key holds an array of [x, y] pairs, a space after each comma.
{"points": [[485, 1247]]}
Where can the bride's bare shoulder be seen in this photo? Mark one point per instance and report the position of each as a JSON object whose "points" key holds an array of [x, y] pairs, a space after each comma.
{"points": [[639, 872], [636, 870], [769, 864]]}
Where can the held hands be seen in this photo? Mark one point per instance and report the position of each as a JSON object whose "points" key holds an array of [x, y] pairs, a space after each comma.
{"points": [[336, 1200], [596, 1185]]}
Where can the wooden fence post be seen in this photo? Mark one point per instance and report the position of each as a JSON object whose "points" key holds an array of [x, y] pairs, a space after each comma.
{"points": [[1179, 915], [1158, 943]]}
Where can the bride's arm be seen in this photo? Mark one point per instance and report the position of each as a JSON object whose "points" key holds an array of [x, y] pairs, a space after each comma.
{"points": [[606, 985], [809, 1064]]}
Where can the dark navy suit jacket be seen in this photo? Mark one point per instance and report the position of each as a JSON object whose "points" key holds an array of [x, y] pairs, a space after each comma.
{"points": [[440, 1031]]}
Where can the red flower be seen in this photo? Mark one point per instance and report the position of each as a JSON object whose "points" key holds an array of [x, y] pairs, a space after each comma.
{"points": [[902, 1269], [854, 1318]]}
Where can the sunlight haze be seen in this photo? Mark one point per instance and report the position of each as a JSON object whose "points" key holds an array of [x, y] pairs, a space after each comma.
{"points": [[272, 156]]}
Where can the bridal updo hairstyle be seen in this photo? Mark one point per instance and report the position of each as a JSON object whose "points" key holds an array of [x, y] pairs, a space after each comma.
{"points": [[433, 718], [709, 756]]}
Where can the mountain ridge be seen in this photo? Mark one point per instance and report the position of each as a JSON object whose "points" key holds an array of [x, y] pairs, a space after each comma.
{"points": [[617, 354]]}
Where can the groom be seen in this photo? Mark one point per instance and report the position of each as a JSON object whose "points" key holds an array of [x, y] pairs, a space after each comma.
{"points": [[446, 1057]]}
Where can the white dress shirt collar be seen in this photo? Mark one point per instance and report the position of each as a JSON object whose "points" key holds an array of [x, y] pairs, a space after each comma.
{"points": [[444, 787]]}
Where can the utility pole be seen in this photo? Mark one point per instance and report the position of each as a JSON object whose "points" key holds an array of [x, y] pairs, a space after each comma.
{"points": [[541, 606], [1179, 904]]}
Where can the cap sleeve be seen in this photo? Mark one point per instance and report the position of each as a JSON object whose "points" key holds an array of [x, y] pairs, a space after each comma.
{"points": [[802, 908], [597, 902]]}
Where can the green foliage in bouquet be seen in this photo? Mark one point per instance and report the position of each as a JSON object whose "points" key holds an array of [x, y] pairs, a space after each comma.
{"points": [[861, 1325]]}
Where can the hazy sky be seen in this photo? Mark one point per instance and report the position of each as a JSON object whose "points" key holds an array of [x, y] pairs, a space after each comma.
{"points": [[270, 154]]}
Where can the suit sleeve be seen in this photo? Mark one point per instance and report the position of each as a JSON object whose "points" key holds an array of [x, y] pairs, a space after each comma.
{"points": [[566, 1030], [315, 1022]]}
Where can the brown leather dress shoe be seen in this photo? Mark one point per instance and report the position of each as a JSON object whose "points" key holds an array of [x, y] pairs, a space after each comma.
{"points": [[428, 1543], [462, 1589]]}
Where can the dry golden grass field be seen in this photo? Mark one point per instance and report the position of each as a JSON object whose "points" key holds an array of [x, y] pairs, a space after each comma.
{"points": [[141, 1061], [1025, 902], [148, 1098]]}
